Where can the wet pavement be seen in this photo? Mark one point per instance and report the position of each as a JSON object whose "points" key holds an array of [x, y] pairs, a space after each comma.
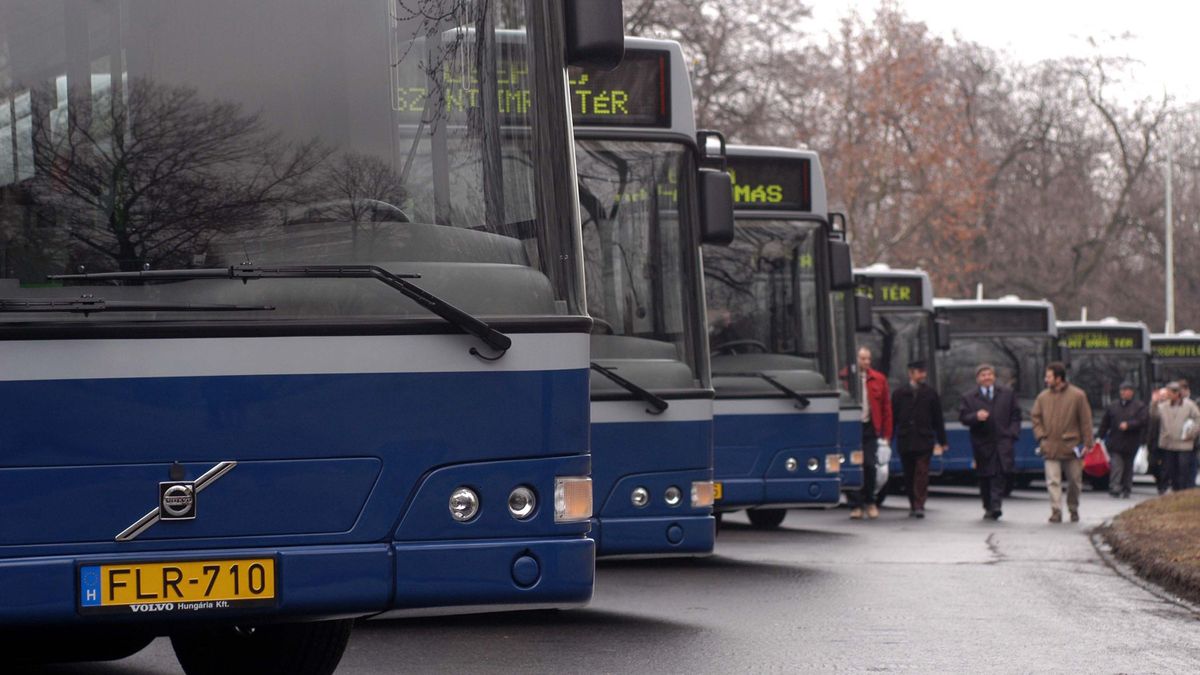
{"points": [[946, 594]]}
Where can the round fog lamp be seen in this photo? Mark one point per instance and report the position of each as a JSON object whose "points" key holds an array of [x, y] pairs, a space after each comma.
{"points": [[464, 504], [640, 497], [673, 496], [791, 465], [522, 502], [813, 464]]}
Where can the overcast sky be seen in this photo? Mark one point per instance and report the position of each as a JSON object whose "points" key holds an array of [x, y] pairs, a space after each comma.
{"points": [[1165, 34]]}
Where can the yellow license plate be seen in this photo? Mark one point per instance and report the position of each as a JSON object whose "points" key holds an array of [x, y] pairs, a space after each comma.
{"points": [[193, 586], [716, 492], [856, 457]]}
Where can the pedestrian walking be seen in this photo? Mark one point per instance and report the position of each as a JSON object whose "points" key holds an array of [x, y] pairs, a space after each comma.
{"points": [[1062, 425], [920, 432], [1122, 429], [1195, 464], [1158, 466], [876, 425], [1178, 427], [991, 414]]}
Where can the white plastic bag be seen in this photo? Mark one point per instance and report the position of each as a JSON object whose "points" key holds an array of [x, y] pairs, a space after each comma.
{"points": [[1188, 427], [883, 458], [883, 452], [1141, 461]]}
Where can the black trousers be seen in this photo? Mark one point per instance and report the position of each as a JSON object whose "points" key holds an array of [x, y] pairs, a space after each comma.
{"points": [[916, 477], [1179, 469], [992, 484], [860, 498]]}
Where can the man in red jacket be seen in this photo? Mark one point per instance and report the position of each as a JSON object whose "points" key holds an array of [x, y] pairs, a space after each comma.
{"points": [[877, 424]]}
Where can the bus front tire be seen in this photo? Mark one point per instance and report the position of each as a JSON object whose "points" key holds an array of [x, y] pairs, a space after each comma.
{"points": [[294, 648], [766, 519]]}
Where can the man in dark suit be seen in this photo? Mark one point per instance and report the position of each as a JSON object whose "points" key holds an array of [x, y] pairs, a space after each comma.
{"points": [[990, 412], [1123, 427], [920, 431]]}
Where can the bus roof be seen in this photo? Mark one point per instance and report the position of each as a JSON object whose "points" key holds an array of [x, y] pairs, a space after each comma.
{"points": [[1010, 306], [650, 91], [1099, 334], [802, 191], [888, 287]]}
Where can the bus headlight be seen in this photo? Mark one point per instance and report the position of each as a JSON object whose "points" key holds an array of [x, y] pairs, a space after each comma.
{"points": [[673, 496], [572, 499], [521, 502], [813, 463], [791, 465], [464, 504], [639, 497], [702, 494], [833, 463], [856, 457]]}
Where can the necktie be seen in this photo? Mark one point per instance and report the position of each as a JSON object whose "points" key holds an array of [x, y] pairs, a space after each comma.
{"points": [[989, 393]]}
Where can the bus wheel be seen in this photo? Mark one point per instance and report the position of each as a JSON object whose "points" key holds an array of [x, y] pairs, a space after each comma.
{"points": [[766, 519], [297, 648]]}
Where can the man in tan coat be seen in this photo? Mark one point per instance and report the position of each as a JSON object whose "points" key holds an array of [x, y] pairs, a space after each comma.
{"points": [[1062, 424], [1178, 426]]}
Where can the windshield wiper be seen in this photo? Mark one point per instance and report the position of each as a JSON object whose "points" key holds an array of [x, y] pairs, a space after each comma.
{"points": [[87, 304], [460, 319], [802, 401], [655, 402]]}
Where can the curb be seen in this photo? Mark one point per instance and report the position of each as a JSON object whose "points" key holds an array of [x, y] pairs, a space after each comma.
{"points": [[1129, 574]]}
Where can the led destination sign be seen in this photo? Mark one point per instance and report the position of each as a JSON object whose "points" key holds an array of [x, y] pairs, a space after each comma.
{"points": [[1006, 320], [1183, 349], [1107, 338], [636, 93], [893, 291], [771, 183]]}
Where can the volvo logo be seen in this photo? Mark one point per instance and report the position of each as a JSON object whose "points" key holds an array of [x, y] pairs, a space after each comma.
{"points": [[177, 500]]}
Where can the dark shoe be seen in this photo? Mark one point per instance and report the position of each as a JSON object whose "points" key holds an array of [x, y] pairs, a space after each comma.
{"points": [[1074, 516], [913, 514], [992, 515], [1114, 495], [1124, 495], [919, 513], [1056, 516]]}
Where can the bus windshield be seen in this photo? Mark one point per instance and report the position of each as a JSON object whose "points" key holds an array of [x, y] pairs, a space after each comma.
{"points": [[1100, 376], [134, 136], [897, 339], [1020, 363], [638, 251], [1169, 371], [762, 291]]}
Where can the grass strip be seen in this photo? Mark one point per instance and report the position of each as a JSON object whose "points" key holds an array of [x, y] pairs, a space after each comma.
{"points": [[1160, 539]]}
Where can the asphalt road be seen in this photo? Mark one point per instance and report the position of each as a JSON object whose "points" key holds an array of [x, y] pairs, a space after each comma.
{"points": [[950, 593]]}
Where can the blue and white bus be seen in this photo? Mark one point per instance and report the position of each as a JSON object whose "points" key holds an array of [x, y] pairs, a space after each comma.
{"points": [[1016, 336], [641, 187], [292, 320], [904, 328], [776, 412]]}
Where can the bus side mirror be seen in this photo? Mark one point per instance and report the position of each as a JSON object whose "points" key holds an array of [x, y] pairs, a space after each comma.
{"points": [[941, 330], [862, 314], [841, 271], [595, 33], [716, 207]]}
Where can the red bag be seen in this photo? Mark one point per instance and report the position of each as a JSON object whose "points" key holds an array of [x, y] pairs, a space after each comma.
{"points": [[1095, 462]]}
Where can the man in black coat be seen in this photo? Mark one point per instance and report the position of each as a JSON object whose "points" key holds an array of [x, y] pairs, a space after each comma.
{"points": [[990, 412], [1123, 427], [919, 431]]}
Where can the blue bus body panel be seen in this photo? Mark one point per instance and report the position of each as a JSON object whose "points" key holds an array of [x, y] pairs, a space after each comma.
{"points": [[750, 452], [342, 477], [850, 433], [654, 455]]}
